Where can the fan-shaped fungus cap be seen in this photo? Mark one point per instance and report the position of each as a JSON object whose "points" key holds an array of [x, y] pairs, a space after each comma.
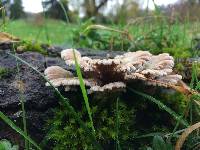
{"points": [[115, 86], [171, 79], [159, 65], [68, 56], [112, 74], [71, 82], [55, 72], [132, 61]]}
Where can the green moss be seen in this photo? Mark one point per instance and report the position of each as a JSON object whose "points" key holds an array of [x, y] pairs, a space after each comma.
{"points": [[198, 69], [3, 72], [65, 133], [137, 117], [178, 52], [179, 67], [177, 101], [32, 47]]}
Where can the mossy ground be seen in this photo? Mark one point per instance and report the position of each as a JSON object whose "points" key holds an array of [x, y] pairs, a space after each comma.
{"points": [[136, 117]]}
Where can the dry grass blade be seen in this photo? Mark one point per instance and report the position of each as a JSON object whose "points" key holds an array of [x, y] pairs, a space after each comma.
{"points": [[103, 28], [2, 8], [182, 87], [5, 37], [197, 102], [147, 19], [108, 29], [185, 134]]}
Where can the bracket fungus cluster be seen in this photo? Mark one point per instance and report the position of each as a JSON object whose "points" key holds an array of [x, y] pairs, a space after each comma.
{"points": [[114, 73]]}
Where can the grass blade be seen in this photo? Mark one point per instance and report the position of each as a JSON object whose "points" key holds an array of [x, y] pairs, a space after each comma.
{"points": [[84, 92], [22, 99], [117, 125], [17, 129], [178, 123], [149, 135], [194, 80], [167, 135], [65, 102], [45, 24], [162, 106], [185, 134], [64, 10]]}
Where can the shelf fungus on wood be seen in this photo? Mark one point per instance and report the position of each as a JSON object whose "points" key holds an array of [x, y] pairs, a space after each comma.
{"points": [[112, 74]]}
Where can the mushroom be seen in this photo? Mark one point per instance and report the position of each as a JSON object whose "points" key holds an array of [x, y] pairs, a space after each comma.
{"points": [[112, 74], [115, 86], [68, 56], [56, 72], [61, 77], [159, 65]]}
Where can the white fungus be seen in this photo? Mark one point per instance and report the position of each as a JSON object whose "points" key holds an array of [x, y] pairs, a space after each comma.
{"points": [[112, 74]]}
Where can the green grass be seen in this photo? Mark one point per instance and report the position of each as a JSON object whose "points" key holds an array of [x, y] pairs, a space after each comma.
{"points": [[59, 32], [18, 130], [162, 106], [22, 99], [84, 92]]}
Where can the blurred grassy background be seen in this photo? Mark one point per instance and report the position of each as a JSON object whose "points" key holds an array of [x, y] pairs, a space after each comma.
{"points": [[156, 35], [58, 31], [146, 25]]}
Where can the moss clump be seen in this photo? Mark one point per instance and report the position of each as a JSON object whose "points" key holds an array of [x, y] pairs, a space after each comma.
{"points": [[198, 70], [4, 72], [178, 52], [32, 47], [65, 133], [7, 145], [176, 101], [136, 117], [180, 67]]}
